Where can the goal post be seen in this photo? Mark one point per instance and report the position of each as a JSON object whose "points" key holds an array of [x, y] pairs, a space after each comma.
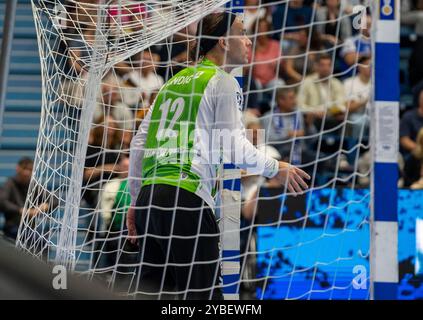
{"points": [[230, 209], [384, 233]]}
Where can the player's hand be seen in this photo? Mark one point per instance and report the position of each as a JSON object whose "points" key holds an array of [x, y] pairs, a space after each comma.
{"points": [[292, 177], [130, 223]]}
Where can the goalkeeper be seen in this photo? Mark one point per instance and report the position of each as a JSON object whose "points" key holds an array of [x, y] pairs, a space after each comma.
{"points": [[175, 159]]}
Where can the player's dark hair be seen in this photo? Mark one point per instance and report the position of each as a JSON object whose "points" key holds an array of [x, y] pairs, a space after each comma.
{"points": [[209, 29]]}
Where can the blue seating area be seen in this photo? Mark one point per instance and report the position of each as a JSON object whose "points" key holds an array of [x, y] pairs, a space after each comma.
{"points": [[24, 27], [23, 98]]}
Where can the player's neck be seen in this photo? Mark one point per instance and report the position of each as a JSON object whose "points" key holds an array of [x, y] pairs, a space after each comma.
{"points": [[219, 60]]}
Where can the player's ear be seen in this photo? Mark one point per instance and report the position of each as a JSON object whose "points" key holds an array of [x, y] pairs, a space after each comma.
{"points": [[223, 44]]}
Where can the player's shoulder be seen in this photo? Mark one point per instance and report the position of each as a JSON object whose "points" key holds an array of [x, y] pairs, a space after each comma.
{"points": [[224, 86], [189, 74], [225, 81]]}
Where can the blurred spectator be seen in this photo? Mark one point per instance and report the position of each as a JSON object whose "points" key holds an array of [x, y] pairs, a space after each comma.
{"points": [[86, 12], [265, 56], [301, 56], [412, 13], [416, 92], [77, 15], [254, 131], [126, 17], [253, 127], [297, 15], [356, 47], [349, 5], [81, 48], [413, 169], [13, 195], [364, 167], [414, 16], [143, 81], [78, 49], [322, 95], [337, 27], [357, 91], [126, 139], [284, 125], [410, 125], [102, 156], [111, 103], [114, 201], [251, 96], [112, 218], [104, 147], [250, 188], [174, 52], [252, 13], [250, 195]]}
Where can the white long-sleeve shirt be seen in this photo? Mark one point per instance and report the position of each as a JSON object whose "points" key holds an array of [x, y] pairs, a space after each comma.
{"points": [[179, 141]]}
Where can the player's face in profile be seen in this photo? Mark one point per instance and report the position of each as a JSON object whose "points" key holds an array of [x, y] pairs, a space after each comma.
{"points": [[238, 43]]}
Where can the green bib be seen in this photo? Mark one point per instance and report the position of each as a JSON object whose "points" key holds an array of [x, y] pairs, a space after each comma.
{"points": [[169, 142]]}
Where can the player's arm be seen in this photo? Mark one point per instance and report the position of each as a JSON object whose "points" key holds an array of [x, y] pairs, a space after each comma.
{"points": [[135, 157], [228, 119], [243, 153]]}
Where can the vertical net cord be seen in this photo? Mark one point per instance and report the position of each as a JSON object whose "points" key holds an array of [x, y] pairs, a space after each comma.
{"points": [[67, 239], [373, 141], [290, 160]]}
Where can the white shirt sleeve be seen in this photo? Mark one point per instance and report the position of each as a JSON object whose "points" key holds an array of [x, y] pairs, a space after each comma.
{"points": [[228, 121], [135, 157]]}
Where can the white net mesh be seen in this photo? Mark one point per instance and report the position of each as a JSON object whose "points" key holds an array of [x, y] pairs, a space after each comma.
{"points": [[307, 85]]}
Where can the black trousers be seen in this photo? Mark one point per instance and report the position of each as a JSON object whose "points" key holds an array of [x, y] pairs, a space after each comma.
{"points": [[181, 250]]}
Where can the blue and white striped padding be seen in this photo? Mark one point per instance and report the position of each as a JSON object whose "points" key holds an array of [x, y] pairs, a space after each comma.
{"points": [[230, 228], [384, 257], [230, 212]]}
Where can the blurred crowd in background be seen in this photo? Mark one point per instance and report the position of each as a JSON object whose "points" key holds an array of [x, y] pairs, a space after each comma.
{"points": [[308, 85]]}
